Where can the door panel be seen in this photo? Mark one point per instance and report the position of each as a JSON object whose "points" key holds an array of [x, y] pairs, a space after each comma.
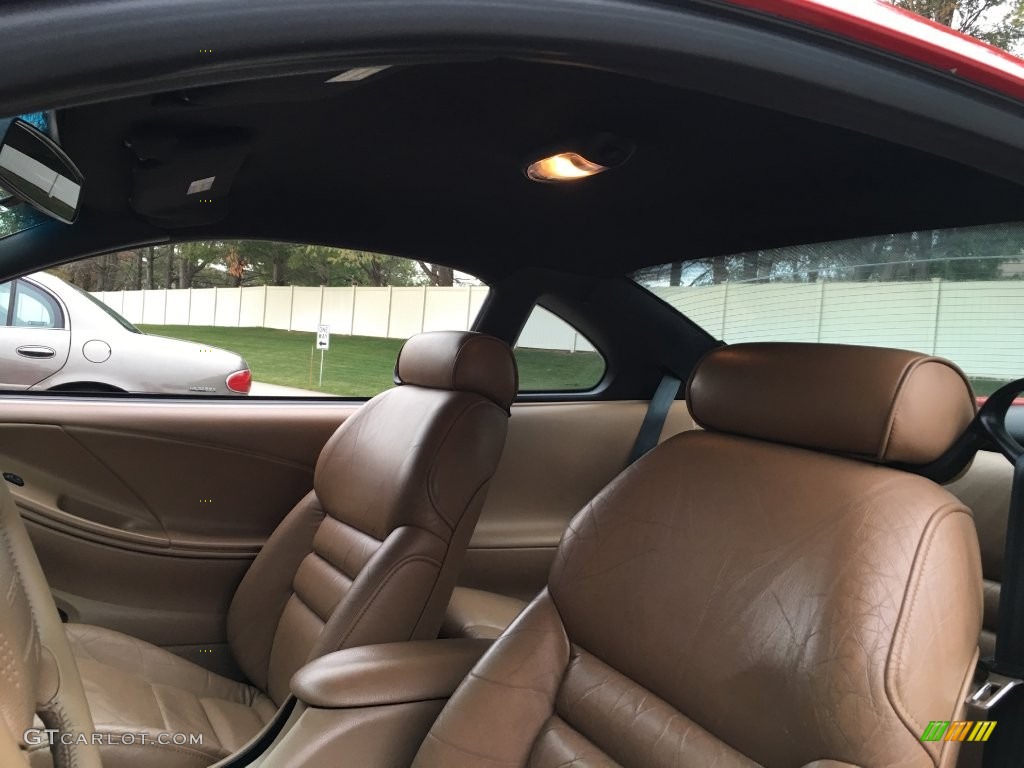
{"points": [[114, 497], [147, 514], [558, 456]]}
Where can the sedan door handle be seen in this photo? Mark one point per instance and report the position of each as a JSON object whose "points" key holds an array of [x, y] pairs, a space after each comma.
{"points": [[36, 352]]}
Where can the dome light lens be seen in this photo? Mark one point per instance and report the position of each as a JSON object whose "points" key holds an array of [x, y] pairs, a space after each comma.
{"points": [[565, 166]]}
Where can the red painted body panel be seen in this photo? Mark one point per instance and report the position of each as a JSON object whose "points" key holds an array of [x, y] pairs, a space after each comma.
{"points": [[906, 35]]}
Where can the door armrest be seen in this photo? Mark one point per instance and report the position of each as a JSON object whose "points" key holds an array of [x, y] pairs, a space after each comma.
{"points": [[390, 673]]}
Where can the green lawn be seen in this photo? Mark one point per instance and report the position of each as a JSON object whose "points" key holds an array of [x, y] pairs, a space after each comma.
{"points": [[361, 366]]}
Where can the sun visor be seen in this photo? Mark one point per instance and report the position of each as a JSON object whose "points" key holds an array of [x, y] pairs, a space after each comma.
{"points": [[184, 181]]}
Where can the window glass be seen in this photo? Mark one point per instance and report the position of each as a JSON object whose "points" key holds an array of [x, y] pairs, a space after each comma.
{"points": [[107, 310], [957, 293], [16, 216], [5, 302], [184, 319], [555, 357], [33, 308]]}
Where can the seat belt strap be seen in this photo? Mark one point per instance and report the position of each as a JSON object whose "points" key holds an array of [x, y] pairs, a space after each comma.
{"points": [[654, 419]]}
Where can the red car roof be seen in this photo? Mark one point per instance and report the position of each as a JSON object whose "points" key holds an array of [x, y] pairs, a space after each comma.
{"points": [[905, 34]]}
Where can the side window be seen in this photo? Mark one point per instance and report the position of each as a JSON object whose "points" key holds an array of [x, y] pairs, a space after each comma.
{"points": [[5, 302], [555, 357], [33, 308], [241, 317]]}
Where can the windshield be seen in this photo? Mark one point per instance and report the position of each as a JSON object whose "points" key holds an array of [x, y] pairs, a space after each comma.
{"points": [[121, 321]]}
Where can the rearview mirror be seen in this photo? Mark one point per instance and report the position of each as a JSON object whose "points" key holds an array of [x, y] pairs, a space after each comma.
{"points": [[35, 169]]}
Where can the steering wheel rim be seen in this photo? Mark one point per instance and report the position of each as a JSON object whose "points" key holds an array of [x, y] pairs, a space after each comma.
{"points": [[992, 417]]}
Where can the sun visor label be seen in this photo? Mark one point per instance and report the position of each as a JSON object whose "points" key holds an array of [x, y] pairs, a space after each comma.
{"points": [[200, 185]]}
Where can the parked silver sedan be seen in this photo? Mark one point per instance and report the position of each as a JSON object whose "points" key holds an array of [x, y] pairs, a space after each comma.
{"points": [[56, 336]]}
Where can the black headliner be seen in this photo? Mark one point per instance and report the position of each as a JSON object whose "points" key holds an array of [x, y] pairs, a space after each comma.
{"points": [[427, 160]]}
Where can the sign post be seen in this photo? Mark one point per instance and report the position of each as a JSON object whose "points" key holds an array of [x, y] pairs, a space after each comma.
{"points": [[323, 342]]}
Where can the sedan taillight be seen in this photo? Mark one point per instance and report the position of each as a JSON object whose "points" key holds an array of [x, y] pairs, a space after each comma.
{"points": [[240, 381]]}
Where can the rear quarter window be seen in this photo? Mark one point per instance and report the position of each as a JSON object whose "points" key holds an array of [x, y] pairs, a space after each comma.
{"points": [[955, 293]]}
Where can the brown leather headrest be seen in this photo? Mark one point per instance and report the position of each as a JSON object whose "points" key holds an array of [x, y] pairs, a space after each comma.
{"points": [[884, 405], [461, 361]]}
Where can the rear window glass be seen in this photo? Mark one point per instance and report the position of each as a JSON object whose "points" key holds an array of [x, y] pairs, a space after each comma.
{"points": [[956, 293]]}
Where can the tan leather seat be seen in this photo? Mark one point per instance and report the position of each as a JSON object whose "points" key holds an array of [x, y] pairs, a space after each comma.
{"points": [[763, 592], [369, 556], [985, 488], [39, 683]]}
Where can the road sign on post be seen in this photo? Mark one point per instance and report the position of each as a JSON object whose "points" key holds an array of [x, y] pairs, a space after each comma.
{"points": [[323, 341]]}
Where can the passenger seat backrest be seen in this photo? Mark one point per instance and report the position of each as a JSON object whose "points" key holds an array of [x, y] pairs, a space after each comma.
{"points": [[372, 553], [38, 674], [735, 599], [985, 488]]}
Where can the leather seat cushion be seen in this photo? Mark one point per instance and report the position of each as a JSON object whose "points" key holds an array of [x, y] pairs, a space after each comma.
{"points": [[135, 687], [480, 615]]}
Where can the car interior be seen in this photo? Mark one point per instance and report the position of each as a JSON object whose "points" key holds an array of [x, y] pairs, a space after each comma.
{"points": [[730, 551]]}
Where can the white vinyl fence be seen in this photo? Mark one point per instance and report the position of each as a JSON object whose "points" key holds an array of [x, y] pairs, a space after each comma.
{"points": [[978, 325], [396, 313]]}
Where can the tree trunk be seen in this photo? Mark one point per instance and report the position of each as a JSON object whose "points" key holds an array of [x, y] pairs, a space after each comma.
{"points": [[104, 270], [944, 13], [719, 272], [445, 277], [438, 275], [184, 276], [924, 255], [675, 275], [750, 267], [277, 276], [168, 266], [139, 266], [149, 268]]}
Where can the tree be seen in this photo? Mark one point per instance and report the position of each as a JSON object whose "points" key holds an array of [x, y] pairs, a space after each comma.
{"points": [[956, 254], [150, 263], [139, 267], [437, 274], [996, 22], [195, 261], [236, 265]]}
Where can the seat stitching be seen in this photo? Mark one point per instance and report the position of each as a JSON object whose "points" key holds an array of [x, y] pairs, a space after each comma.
{"points": [[351, 545], [160, 707], [213, 727], [306, 602]]}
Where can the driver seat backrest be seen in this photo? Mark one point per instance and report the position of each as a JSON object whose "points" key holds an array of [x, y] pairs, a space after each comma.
{"points": [[762, 592]]}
